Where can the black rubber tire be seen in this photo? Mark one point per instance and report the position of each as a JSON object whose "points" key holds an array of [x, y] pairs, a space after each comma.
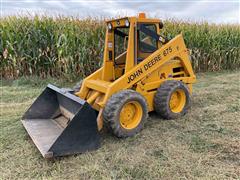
{"points": [[78, 86], [112, 110], [162, 99]]}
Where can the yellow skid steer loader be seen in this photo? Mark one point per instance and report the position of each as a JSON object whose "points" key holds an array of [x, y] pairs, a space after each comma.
{"points": [[142, 71]]}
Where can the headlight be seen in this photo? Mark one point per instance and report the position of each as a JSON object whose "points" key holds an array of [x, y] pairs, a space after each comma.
{"points": [[109, 26], [127, 22]]}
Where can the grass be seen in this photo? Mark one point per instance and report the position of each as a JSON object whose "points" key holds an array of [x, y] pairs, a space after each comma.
{"points": [[204, 144]]}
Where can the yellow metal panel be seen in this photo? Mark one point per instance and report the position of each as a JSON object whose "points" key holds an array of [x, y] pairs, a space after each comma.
{"points": [[84, 90], [108, 68], [153, 85], [154, 61], [98, 85], [118, 19], [149, 97], [148, 20], [190, 88], [184, 56], [130, 49]]}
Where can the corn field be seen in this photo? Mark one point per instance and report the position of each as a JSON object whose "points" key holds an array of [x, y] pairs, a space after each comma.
{"points": [[69, 47]]}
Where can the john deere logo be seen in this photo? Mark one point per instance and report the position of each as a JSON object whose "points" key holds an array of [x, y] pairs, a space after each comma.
{"points": [[149, 64]]}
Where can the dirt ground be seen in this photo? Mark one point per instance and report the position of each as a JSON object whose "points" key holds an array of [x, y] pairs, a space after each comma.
{"points": [[204, 144]]}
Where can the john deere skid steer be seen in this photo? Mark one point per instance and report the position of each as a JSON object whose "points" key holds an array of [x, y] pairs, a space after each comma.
{"points": [[142, 72]]}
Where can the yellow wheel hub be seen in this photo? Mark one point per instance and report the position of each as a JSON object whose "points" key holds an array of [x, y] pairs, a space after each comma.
{"points": [[177, 101], [131, 115]]}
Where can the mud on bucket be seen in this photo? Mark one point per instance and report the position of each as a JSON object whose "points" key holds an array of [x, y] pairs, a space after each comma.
{"points": [[61, 123]]}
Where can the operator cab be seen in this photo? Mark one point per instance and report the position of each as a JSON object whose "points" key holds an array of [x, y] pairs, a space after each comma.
{"points": [[129, 41]]}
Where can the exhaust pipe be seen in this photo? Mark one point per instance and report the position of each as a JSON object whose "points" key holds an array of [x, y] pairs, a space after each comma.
{"points": [[61, 123]]}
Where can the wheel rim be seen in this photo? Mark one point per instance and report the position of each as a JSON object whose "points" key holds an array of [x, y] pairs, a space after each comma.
{"points": [[177, 101], [131, 115]]}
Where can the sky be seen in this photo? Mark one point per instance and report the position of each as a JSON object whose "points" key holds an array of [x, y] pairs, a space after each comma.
{"points": [[214, 11]]}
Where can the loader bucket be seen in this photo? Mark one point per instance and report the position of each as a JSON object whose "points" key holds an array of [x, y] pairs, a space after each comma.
{"points": [[61, 123]]}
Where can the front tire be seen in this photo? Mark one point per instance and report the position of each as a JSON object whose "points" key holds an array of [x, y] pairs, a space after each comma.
{"points": [[172, 99], [125, 113]]}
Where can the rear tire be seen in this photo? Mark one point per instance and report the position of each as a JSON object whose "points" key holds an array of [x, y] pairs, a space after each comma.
{"points": [[172, 99], [125, 113]]}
